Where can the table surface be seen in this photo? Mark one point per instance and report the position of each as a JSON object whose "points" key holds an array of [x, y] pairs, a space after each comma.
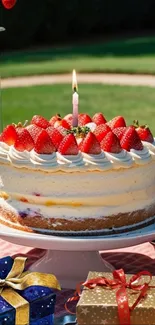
{"points": [[131, 259]]}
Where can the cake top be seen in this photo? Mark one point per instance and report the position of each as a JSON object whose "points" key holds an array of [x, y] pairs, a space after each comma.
{"points": [[94, 139], [91, 136]]}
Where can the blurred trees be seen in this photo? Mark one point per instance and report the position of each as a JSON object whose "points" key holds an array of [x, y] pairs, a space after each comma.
{"points": [[47, 21]]}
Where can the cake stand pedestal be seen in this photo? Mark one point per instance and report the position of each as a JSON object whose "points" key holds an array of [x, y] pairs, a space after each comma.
{"points": [[71, 267], [71, 258]]}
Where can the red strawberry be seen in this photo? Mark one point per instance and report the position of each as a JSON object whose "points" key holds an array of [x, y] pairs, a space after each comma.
{"points": [[99, 118], [44, 144], [90, 144], [9, 4], [24, 140], [54, 119], [111, 143], [83, 119], [119, 132], [9, 135], [144, 132], [68, 145], [55, 136], [58, 121], [62, 123], [69, 119], [40, 121], [62, 130], [117, 122], [34, 131], [131, 139], [101, 131]]}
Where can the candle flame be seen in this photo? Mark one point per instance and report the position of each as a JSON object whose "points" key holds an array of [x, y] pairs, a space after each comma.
{"points": [[74, 81]]}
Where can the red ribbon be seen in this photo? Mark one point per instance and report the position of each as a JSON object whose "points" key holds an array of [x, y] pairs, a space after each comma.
{"points": [[118, 282]]}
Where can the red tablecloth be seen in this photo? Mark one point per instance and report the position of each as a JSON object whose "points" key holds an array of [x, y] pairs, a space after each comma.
{"points": [[132, 260]]}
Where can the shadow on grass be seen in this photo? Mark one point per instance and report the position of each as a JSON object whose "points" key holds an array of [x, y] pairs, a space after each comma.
{"points": [[129, 47]]}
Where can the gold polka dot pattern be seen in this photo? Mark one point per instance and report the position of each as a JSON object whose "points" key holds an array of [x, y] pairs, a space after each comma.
{"points": [[98, 306]]}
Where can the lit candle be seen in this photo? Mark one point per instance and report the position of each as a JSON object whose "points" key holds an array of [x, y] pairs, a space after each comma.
{"points": [[75, 100]]}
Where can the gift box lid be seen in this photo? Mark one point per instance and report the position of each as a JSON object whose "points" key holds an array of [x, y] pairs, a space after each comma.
{"points": [[39, 299], [98, 306]]}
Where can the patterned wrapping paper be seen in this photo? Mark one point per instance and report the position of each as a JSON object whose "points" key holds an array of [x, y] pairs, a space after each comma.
{"points": [[34, 305], [98, 306]]}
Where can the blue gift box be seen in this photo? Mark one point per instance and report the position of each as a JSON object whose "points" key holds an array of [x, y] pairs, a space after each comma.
{"points": [[41, 301]]}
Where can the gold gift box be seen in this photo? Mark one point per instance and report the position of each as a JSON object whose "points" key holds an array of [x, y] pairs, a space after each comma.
{"points": [[98, 306]]}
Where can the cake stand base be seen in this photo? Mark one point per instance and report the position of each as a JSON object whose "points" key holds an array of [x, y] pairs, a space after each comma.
{"points": [[71, 267]]}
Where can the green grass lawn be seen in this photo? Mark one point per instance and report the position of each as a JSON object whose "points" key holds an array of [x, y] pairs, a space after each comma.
{"points": [[131, 55], [20, 104]]}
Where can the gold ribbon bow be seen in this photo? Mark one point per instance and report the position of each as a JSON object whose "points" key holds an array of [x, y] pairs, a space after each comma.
{"points": [[17, 280]]}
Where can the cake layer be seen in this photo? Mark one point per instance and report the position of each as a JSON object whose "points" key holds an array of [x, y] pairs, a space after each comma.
{"points": [[76, 193], [93, 193], [74, 201], [36, 221]]}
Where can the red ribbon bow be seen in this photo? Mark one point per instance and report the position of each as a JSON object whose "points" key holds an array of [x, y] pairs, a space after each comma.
{"points": [[119, 281]]}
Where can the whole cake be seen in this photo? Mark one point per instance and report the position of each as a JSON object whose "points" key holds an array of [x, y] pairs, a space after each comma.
{"points": [[97, 177]]}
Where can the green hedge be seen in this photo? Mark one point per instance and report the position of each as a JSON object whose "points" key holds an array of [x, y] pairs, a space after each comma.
{"points": [[46, 21]]}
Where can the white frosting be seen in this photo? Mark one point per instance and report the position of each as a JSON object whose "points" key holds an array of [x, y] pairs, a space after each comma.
{"points": [[44, 162], [70, 161], [122, 159], [97, 162], [80, 162], [19, 158], [150, 147], [141, 157], [4, 149], [91, 126]]}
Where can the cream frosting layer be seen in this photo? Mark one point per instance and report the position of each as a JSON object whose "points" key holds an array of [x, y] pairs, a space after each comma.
{"points": [[61, 212], [45, 162], [70, 161], [4, 152], [150, 147], [123, 159], [90, 194], [80, 162], [141, 157], [97, 162]]}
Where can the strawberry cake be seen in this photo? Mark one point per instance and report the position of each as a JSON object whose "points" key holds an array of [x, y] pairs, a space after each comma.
{"points": [[97, 177]]}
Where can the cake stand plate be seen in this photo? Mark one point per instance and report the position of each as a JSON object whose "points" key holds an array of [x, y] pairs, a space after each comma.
{"points": [[71, 258]]}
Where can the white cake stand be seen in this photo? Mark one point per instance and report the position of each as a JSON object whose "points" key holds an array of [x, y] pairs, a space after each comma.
{"points": [[70, 258]]}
